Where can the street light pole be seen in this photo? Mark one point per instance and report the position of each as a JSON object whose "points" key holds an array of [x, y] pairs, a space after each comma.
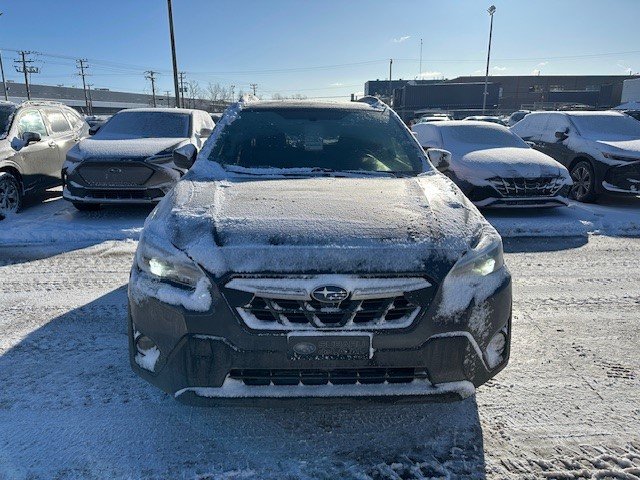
{"points": [[173, 55], [491, 10]]}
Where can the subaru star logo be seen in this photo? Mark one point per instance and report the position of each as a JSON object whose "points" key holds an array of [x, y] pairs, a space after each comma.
{"points": [[304, 348], [329, 294]]}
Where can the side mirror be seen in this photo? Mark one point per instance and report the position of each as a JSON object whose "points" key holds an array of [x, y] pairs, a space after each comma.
{"points": [[441, 159], [562, 136], [205, 132], [30, 137], [93, 130], [184, 157]]}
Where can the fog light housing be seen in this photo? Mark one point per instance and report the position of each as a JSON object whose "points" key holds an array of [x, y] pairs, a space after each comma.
{"points": [[496, 349], [144, 344], [147, 352]]}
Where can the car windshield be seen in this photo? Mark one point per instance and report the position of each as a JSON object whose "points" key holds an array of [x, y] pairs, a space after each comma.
{"points": [[606, 126], [146, 125], [326, 139], [478, 137], [5, 117]]}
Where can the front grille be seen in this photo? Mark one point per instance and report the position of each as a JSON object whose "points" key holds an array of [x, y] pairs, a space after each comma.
{"points": [[288, 303], [390, 312], [117, 194], [115, 174], [527, 187], [363, 376]]}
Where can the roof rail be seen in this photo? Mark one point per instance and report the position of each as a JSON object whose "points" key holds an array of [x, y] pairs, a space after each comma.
{"points": [[41, 103], [374, 102]]}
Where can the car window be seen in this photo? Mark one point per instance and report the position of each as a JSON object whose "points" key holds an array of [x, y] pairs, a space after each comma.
{"points": [[145, 124], [6, 113], [427, 135], [31, 121], [331, 138], [532, 126], [57, 121], [604, 126], [74, 118], [462, 138]]}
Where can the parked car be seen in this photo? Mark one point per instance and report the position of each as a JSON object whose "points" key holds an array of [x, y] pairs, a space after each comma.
{"points": [[600, 149], [435, 117], [96, 121], [496, 168], [486, 118], [130, 159], [34, 139], [314, 251], [515, 117]]}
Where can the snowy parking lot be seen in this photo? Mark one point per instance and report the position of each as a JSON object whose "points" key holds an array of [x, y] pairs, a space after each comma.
{"points": [[567, 405]]}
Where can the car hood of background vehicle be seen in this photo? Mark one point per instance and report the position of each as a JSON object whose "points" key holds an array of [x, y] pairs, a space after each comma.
{"points": [[319, 224], [628, 144], [127, 147], [506, 163]]}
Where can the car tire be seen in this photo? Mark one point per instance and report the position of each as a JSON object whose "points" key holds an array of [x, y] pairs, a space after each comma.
{"points": [[86, 207], [584, 182], [10, 193]]}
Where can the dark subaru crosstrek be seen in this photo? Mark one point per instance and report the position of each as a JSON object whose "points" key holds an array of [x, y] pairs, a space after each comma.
{"points": [[314, 251]]}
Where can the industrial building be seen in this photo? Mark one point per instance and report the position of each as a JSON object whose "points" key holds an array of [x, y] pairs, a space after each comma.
{"points": [[505, 93]]}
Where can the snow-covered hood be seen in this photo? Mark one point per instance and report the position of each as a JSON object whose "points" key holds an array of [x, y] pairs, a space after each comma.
{"points": [[372, 224], [507, 163], [622, 146], [132, 147]]}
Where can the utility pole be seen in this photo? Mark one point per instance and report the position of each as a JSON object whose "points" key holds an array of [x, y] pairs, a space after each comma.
{"points": [[81, 63], [168, 99], [180, 99], [253, 87], [233, 98], [4, 81], [173, 55], [89, 85], [26, 69], [420, 72], [151, 75], [491, 10], [390, 89]]}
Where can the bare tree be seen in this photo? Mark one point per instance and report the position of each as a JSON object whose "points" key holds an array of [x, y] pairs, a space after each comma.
{"points": [[215, 92], [194, 92]]}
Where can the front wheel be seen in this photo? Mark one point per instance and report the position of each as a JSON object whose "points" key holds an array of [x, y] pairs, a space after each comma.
{"points": [[10, 194], [584, 182], [87, 207]]}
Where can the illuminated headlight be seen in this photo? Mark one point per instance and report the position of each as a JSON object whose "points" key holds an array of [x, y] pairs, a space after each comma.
{"points": [[621, 158], [167, 264], [483, 259]]}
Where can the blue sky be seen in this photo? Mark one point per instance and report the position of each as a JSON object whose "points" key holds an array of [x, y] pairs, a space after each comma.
{"points": [[316, 48]]}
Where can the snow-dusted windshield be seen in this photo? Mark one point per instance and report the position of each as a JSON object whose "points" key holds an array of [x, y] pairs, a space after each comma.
{"points": [[5, 117], [332, 139], [146, 125], [478, 137], [606, 126]]}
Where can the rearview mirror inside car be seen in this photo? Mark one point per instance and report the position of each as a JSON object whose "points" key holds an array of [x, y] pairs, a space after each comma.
{"points": [[184, 157], [441, 159], [30, 137]]}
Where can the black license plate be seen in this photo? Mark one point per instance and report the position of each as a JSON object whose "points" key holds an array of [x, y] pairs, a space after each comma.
{"points": [[329, 346]]}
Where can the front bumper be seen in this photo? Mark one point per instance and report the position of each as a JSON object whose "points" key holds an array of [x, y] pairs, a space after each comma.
{"points": [[203, 356], [149, 187], [522, 202], [488, 196], [618, 180]]}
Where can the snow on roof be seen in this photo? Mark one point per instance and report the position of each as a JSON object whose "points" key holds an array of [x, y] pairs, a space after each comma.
{"points": [[163, 110], [591, 113], [307, 104], [628, 106]]}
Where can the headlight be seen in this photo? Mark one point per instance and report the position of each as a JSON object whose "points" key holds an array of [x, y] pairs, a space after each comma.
{"points": [[167, 264], [621, 158], [485, 258]]}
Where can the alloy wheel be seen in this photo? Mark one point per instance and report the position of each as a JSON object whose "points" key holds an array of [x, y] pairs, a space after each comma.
{"points": [[9, 196], [581, 182]]}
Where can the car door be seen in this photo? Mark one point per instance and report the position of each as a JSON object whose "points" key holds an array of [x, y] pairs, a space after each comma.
{"points": [[552, 145], [36, 159], [63, 135]]}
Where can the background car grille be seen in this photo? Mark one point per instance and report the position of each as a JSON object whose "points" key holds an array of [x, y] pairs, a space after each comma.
{"points": [[323, 377], [116, 174], [379, 312], [527, 187]]}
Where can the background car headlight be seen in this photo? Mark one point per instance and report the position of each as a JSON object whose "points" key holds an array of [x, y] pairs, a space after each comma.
{"points": [[166, 263], [485, 258]]}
